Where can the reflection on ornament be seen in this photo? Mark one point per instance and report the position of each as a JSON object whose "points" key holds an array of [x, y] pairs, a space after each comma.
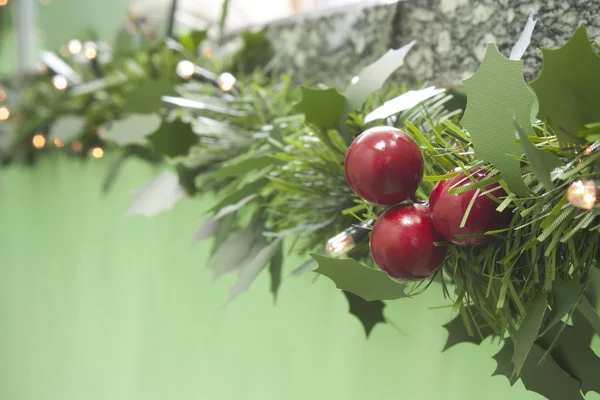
{"points": [[583, 194], [76, 146], [4, 113], [185, 69], [345, 241], [60, 82], [97, 152], [58, 143], [90, 50], [38, 141], [2, 95], [226, 81], [74, 46]]}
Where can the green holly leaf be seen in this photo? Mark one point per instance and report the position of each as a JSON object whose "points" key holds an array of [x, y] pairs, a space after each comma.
{"points": [[528, 332], [322, 107], [570, 347], [67, 128], [237, 247], [159, 194], [351, 276], [275, 268], [173, 138], [133, 129], [542, 162], [210, 226], [147, 97], [565, 296], [250, 270], [497, 95], [546, 378], [568, 87], [458, 332], [369, 313], [242, 167], [374, 76]]}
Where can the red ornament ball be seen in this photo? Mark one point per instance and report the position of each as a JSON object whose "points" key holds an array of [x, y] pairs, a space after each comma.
{"points": [[447, 210], [384, 166], [402, 243]]}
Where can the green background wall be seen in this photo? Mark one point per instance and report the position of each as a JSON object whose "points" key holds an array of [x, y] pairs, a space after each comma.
{"points": [[96, 305]]}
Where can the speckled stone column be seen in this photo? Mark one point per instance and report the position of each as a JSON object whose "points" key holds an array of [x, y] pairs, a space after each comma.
{"points": [[451, 36]]}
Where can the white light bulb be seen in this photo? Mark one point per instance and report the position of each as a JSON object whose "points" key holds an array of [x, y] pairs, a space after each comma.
{"points": [[74, 46], [185, 69], [226, 81], [583, 194], [60, 82]]}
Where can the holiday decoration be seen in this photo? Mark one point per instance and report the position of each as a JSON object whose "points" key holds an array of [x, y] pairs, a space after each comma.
{"points": [[403, 243], [464, 218], [384, 166]]}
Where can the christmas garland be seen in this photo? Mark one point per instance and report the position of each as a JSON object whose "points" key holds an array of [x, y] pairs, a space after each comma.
{"points": [[391, 191]]}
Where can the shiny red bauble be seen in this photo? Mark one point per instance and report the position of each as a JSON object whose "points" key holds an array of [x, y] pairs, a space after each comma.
{"points": [[402, 243], [384, 166], [447, 210]]}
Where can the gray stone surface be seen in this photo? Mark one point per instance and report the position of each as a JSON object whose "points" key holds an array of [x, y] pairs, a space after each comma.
{"points": [[451, 36]]}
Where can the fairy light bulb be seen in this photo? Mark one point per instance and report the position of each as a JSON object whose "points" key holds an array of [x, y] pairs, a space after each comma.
{"points": [[76, 146], [354, 80], [58, 143], [583, 194], [4, 113], [185, 69], [345, 241], [90, 50], [2, 95], [38, 141], [97, 152], [74, 46], [226, 81], [59, 82]]}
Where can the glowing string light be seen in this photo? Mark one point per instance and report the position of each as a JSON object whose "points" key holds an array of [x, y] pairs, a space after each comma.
{"points": [[38, 141], [583, 194], [345, 241]]}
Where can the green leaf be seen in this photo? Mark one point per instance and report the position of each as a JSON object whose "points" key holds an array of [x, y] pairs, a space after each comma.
{"points": [[249, 271], [237, 247], [173, 138], [322, 107], [572, 352], [275, 270], [67, 128], [159, 194], [374, 76], [568, 87], [586, 309], [565, 295], [147, 98], [528, 332], [350, 275], [369, 313], [242, 167], [542, 162], [247, 190], [497, 95], [113, 172], [458, 333], [547, 378], [209, 227], [192, 40], [133, 129]]}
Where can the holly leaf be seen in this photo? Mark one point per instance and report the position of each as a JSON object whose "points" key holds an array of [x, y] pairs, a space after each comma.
{"points": [[159, 194], [237, 247], [458, 333], [404, 102], [133, 129], [322, 107], [369, 313], [250, 270], [528, 332], [497, 95], [568, 87], [210, 226], [570, 347], [242, 167], [374, 76], [147, 97], [173, 138], [275, 268], [309, 265], [565, 296], [351, 276], [542, 162], [67, 128], [546, 378]]}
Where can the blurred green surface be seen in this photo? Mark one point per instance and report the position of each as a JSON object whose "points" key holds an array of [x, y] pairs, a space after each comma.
{"points": [[95, 305]]}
